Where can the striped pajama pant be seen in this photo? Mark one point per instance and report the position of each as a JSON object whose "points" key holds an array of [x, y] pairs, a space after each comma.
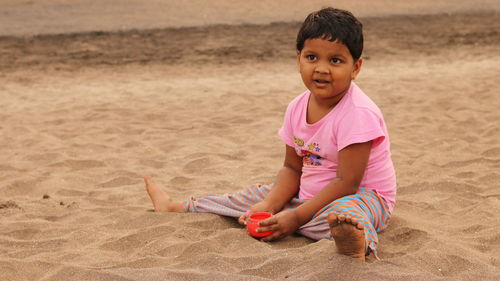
{"points": [[365, 205]]}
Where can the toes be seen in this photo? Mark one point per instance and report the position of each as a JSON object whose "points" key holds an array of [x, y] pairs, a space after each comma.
{"points": [[149, 182], [348, 220], [358, 224], [355, 222], [332, 219], [335, 219], [352, 220], [341, 218]]}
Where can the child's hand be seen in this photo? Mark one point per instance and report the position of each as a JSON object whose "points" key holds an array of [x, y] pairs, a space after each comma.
{"points": [[243, 218], [283, 224], [262, 206]]}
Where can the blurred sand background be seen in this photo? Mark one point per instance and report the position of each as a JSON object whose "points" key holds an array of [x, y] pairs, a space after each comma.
{"points": [[95, 94]]}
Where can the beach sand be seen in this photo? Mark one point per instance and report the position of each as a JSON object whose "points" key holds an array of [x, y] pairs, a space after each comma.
{"points": [[84, 116]]}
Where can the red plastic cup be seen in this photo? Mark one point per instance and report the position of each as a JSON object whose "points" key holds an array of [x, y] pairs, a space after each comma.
{"points": [[253, 224]]}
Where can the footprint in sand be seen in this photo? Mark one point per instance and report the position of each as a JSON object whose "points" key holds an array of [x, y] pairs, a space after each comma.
{"points": [[402, 240], [180, 182], [196, 165], [452, 265], [119, 181], [445, 265]]}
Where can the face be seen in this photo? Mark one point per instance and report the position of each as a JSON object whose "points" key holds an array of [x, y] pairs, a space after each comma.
{"points": [[327, 69]]}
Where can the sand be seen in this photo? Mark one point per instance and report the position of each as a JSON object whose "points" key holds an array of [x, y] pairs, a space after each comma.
{"points": [[84, 116], [29, 17]]}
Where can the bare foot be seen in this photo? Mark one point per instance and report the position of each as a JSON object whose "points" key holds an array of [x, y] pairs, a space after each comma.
{"points": [[348, 234], [161, 201]]}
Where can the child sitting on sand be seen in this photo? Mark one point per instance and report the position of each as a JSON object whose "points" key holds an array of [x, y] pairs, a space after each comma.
{"points": [[337, 181]]}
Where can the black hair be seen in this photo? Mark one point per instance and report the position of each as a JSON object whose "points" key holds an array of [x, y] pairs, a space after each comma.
{"points": [[333, 24]]}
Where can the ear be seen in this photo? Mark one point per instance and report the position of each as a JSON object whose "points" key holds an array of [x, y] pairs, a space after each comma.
{"points": [[357, 68]]}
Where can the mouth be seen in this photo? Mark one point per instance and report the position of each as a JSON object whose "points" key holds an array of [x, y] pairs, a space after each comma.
{"points": [[321, 83]]}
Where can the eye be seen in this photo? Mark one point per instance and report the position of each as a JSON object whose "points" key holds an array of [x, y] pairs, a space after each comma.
{"points": [[335, 60], [311, 57]]}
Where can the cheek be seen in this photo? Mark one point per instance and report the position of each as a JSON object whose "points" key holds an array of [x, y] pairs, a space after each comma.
{"points": [[305, 69], [347, 74], [304, 77]]}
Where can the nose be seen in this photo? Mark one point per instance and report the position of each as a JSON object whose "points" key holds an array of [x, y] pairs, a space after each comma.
{"points": [[322, 68]]}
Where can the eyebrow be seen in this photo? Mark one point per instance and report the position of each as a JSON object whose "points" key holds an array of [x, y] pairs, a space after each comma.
{"points": [[338, 55], [330, 55]]}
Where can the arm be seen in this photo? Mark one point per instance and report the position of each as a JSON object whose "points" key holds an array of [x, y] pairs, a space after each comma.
{"points": [[286, 186], [352, 164], [287, 181]]}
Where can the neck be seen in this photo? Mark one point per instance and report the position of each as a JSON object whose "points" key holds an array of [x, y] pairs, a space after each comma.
{"points": [[328, 103]]}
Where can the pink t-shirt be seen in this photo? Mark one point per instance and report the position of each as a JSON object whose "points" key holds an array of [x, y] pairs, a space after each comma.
{"points": [[355, 119]]}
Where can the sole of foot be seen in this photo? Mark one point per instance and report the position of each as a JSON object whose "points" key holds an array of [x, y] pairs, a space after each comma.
{"points": [[348, 234]]}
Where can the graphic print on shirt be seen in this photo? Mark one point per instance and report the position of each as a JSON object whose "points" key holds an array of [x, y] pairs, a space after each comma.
{"points": [[307, 152]]}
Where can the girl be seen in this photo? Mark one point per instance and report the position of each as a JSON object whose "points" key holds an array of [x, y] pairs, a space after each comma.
{"points": [[338, 180]]}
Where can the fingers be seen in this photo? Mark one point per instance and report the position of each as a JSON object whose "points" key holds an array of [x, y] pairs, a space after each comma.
{"points": [[269, 221], [270, 225], [243, 219], [266, 225], [267, 228]]}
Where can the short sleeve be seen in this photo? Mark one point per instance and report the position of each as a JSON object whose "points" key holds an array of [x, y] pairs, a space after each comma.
{"points": [[286, 131], [360, 125]]}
